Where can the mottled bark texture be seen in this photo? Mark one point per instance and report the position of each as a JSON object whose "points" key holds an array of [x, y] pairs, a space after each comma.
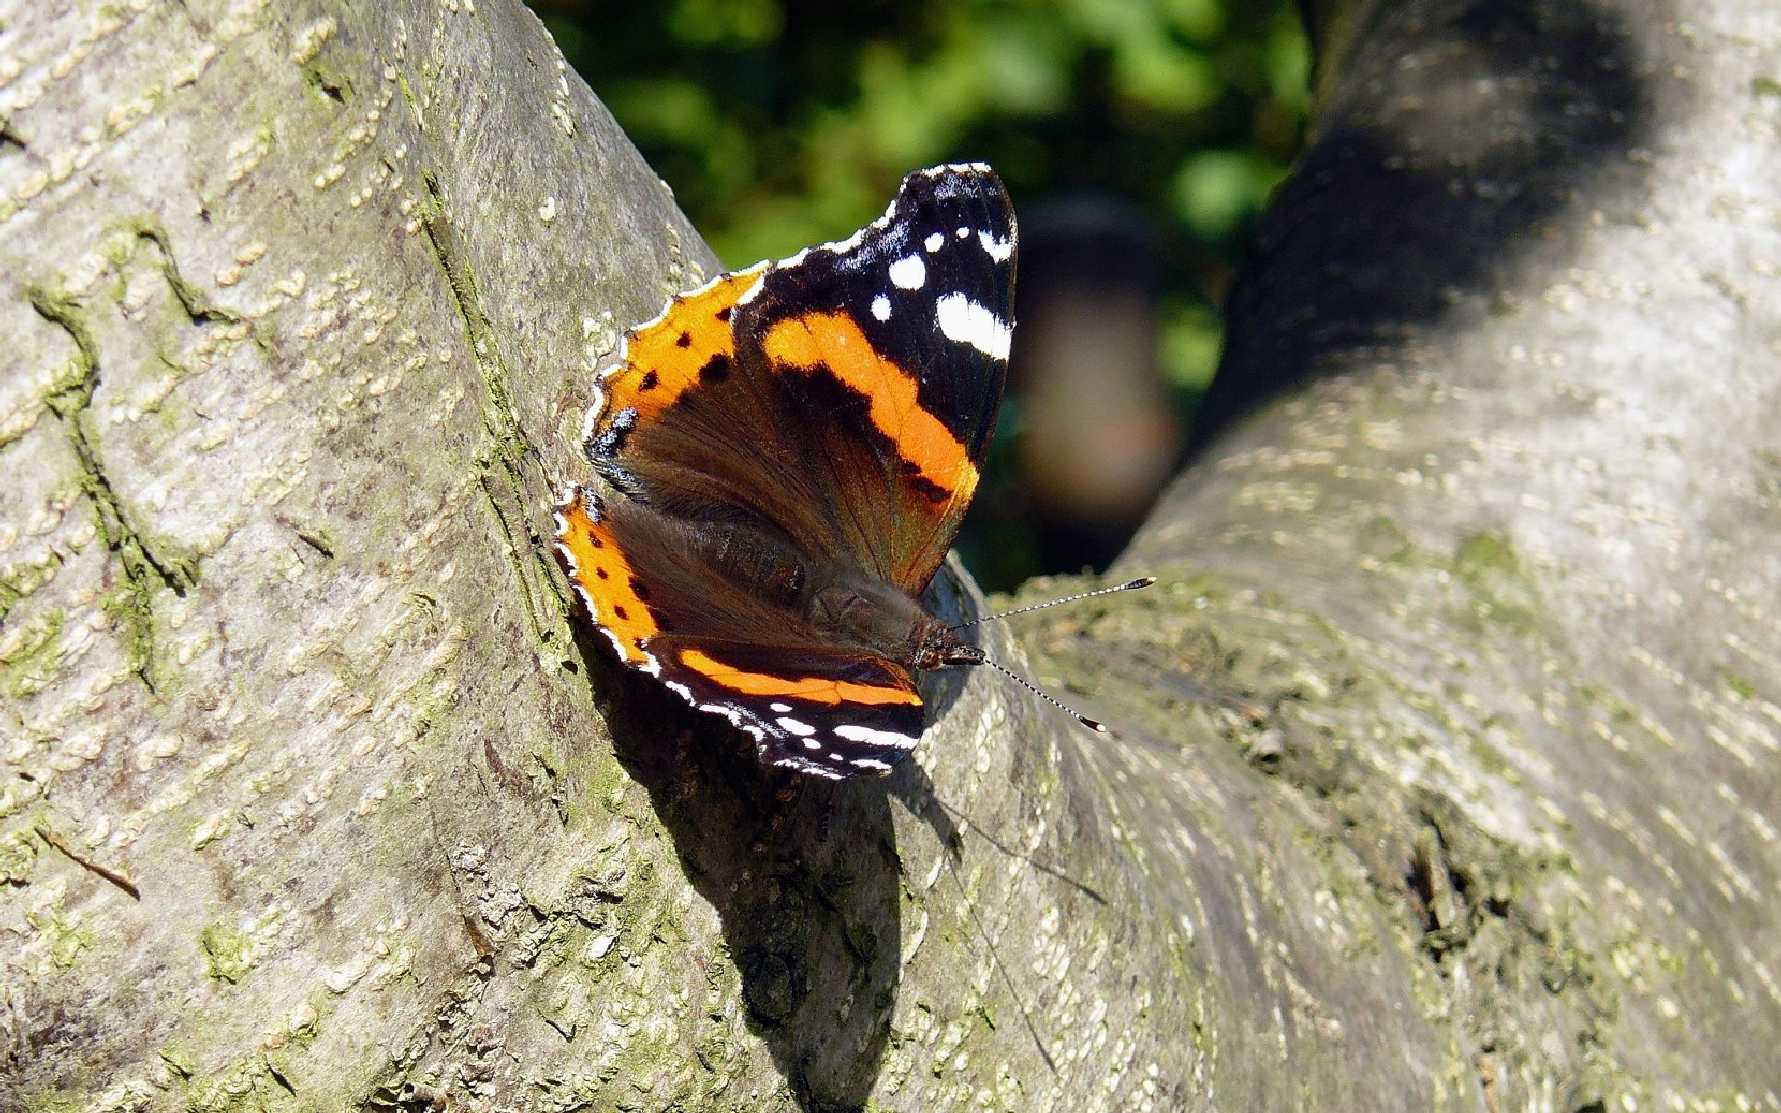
{"points": [[1448, 771]]}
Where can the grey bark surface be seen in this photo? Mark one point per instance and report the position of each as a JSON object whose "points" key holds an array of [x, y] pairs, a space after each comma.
{"points": [[1448, 776]]}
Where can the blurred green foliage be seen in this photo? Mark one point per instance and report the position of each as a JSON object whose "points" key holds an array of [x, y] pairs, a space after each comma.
{"points": [[781, 123]]}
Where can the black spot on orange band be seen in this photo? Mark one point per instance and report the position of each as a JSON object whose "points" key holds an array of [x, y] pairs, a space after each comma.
{"points": [[604, 575], [663, 360]]}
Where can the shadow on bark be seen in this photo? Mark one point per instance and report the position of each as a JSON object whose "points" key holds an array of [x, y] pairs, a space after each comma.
{"points": [[1408, 202], [803, 876], [804, 873]]}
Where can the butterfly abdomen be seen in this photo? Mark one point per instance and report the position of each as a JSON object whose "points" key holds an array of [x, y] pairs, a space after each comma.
{"points": [[853, 611]]}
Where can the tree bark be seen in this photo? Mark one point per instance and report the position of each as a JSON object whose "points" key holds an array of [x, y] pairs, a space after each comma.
{"points": [[1447, 777]]}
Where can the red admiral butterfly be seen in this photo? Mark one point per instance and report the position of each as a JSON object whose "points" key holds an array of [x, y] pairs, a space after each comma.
{"points": [[789, 451]]}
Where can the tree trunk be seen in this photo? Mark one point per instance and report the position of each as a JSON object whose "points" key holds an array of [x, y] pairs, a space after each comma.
{"points": [[1447, 772]]}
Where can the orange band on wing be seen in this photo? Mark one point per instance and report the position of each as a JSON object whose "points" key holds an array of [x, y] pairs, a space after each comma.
{"points": [[665, 359], [602, 571], [835, 341], [816, 689]]}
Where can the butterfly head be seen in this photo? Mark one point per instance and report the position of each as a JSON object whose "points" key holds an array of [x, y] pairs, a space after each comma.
{"points": [[942, 648]]}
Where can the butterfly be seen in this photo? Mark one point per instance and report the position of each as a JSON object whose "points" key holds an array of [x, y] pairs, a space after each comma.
{"points": [[782, 459]]}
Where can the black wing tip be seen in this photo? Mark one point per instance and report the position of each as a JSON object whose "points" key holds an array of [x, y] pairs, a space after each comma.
{"points": [[952, 180], [954, 169]]}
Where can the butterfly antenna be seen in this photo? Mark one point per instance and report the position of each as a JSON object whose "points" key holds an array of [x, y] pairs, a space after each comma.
{"points": [[1129, 585], [1092, 724]]}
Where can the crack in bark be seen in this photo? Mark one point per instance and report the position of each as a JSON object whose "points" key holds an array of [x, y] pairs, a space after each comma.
{"points": [[510, 551], [147, 567], [197, 308], [509, 444], [316, 539], [465, 299], [10, 138], [121, 880]]}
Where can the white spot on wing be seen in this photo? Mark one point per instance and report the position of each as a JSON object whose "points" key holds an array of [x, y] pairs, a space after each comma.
{"points": [[813, 743], [881, 307], [842, 247], [955, 168], [802, 730], [933, 242], [734, 714], [966, 322], [870, 763], [781, 708], [805, 765], [999, 250], [875, 737], [909, 272]]}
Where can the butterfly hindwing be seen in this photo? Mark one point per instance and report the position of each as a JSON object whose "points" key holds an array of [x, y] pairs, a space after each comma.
{"points": [[834, 715], [819, 710]]}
